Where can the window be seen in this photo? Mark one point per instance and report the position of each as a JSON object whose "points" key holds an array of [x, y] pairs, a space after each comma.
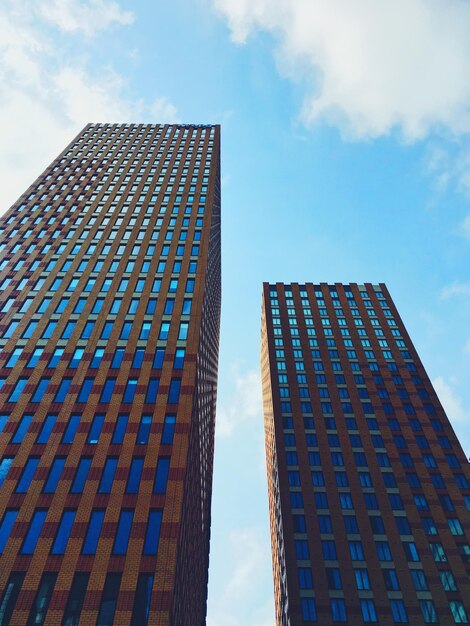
{"points": [[305, 578], [81, 475], [143, 595], [356, 551], [428, 611], [108, 388], [46, 429], [383, 551], [92, 536], [419, 580], [362, 579], [144, 429], [18, 390], [309, 613], [74, 605], [37, 615], [107, 476], [120, 428], [338, 610], [333, 577], [54, 475], [329, 550], [174, 393], [152, 535], [168, 429], [458, 612], [5, 465], [438, 553], [123, 532], [34, 530], [40, 389], [6, 526], [135, 474], [368, 611], [411, 551], [109, 600], [398, 612], [72, 428], [34, 360], [447, 580], [64, 386], [152, 390], [138, 358], [22, 428], [183, 331], [63, 532], [161, 475], [117, 359], [27, 475], [10, 596]]}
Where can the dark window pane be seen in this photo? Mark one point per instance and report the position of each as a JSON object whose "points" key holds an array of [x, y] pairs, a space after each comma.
{"points": [[93, 532], [143, 594], [38, 612], [109, 600]]}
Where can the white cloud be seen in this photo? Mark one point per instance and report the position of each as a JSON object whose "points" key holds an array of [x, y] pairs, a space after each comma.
{"points": [[455, 289], [248, 562], [83, 16], [163, 111], [450, 400], [49, 92], [245, 402], [369, 67]]}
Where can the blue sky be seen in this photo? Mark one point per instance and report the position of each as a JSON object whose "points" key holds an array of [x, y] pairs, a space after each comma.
{"points": [[345, 157]]}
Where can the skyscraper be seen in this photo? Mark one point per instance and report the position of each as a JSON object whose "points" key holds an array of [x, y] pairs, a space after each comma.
{"points": [[109, 326], [369, 489]]}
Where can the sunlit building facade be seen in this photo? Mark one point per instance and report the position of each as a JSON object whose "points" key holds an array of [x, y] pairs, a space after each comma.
{"points": [[109, 328], [369, 489]]}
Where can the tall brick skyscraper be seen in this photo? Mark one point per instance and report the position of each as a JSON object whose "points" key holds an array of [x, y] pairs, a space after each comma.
{"points": [[109, 326], [369, 488]]}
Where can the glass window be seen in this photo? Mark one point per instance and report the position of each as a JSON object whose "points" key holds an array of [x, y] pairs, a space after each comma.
{"points": [[54, 475], [85, 390], [123, 532], [34, 530], [18, 390], [309, 613], [81, 475], [72, 428], [143, 595], [152, 536], [362, 579], [95, 429], [120, 428], [138, 358], [109, 600], [161, 475], [27, 475], [368, 611], [174, 393], [338, 610], [428, 611], [135, 474], [107, 476], [158, 359], [63, 532], [64, 386], [152, 390], [168, 429], [398, 611], [76, 358], [108, 388], [46, 429], [10, 596], [74, 605], [144, 429], [37, 615], [6, 526], [5, 465], [92, 536], [458, 612], [129, 391], [117, 359]]}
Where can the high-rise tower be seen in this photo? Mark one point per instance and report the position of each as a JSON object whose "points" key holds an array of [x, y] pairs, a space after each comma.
{"points": [[369, 489], [109, 326]]}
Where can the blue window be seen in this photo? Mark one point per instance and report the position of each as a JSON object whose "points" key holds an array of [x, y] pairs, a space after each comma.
{"points": [[309, 612], [87, 331], [151, 306], [138, 358], [161, 475], [81, 475], [96, 360], [164, 330], [157, 284], [107, 329], [64, 386], [80, 302], [369, 613], [92, 536], [55, 358], [144, 429], [6, 526], [117, 359], [76, 358], [356, 551], [5, 465], [169, 306], [54, 475], [174, 393], [3, 421], [145, 330], [338, 610], [18, 390], [133, 306], [72, 427], [116, 305], [190, 285], [95, 429], [135, 474], [29, 330], [179, 359], [27, 475], [15, 355], [398, 612], [34, 360], [158, 359], [108, 388], [98, 305], [305, 578], [68, 330], [40, 390], [22, 428], [107, 477], [183, 331], [120, 428], [123, 532], [47, 334], [129, 391], [63, 532], [168, 430], [126, 330], [152, 390], [46, 429], [35, 527], [85, 390]]}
